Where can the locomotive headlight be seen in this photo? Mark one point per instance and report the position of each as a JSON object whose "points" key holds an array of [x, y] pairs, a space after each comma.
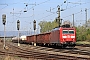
{"points": [[72, 36], [64, 36]]}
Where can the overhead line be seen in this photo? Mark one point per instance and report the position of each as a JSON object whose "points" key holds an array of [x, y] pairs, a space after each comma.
{"points": [[76, 13], [71, 7], [39, 4], [45, 16], [10, 4], [76, 6]]}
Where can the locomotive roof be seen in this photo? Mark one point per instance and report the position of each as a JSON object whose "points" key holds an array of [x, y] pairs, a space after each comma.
{"points": [[69, 28], [61, 28], [56, 29]]}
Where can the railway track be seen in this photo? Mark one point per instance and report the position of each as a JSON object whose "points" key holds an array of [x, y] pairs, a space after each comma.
{"points": [[67, 50], [45, 52], [83, 45], [38, 55]]}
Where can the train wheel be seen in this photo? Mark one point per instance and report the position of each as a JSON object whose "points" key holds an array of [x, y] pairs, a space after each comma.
{"points": [[44, 44], [64, 46]]}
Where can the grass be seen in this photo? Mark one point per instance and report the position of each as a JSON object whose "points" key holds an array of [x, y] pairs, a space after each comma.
{"points": [[83, 42]]}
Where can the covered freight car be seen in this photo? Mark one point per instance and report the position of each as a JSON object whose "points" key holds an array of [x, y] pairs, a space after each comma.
{"points": [[39, 39]]}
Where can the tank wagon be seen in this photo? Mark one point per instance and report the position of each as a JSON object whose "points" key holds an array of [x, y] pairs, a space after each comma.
{"points": [[22, 39]]}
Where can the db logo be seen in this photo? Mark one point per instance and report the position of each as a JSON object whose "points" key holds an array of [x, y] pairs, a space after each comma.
{"points": [[68, 36]]}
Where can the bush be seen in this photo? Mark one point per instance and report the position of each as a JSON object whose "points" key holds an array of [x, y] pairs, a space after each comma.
{"points": [[88, 37]]}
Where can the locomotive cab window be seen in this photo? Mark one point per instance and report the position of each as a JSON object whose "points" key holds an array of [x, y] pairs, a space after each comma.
{"points": [[65, 31], [71, 31]]}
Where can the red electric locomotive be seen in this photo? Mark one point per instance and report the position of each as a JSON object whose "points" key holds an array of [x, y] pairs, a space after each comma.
{"points": [[63, 37]]}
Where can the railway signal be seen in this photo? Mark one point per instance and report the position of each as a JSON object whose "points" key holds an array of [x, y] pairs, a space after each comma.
{"points": [[58, 18], [18, 27], [34, 24], [4, 22], [4, 19]]}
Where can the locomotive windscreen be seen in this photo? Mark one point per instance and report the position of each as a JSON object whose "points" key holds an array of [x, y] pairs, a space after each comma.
{"points": [[68, 31], [71, 31], [65, 31]]}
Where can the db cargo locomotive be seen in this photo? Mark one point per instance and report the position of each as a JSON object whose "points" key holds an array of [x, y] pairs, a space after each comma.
{"points": [[64, 36]]}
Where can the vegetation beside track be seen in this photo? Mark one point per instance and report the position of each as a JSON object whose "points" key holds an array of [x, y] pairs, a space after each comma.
{"points": [[83, 42]]}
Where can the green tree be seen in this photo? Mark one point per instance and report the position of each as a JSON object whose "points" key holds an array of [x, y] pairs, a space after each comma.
{"points": [[83, 32], [42, 25], [47, 26], [54, 24]]}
